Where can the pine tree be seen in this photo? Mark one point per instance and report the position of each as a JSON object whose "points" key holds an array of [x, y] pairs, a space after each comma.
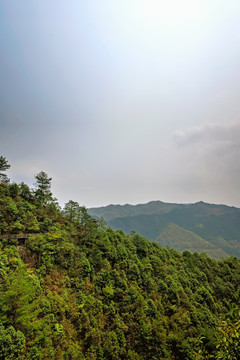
{"points": [[43, 183], [4, 165], [71, 210]]}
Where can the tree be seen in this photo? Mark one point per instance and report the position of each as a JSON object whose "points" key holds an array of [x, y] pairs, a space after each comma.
{"points": [[228, 346], [43, 183], [71, 210], [25, 192], [12, 343], [79, 214], [4, 165]]}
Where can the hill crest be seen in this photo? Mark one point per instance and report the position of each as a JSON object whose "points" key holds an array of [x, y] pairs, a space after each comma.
{"points": [[217, 224]]}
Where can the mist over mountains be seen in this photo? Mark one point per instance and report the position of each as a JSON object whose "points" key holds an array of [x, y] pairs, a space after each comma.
{"points": [[201, 227]]}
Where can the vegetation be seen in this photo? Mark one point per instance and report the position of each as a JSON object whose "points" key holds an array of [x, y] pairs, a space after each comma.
{"points": [[4, 165], [73, 288], [180, 239], [201, 227], [43, 184]]}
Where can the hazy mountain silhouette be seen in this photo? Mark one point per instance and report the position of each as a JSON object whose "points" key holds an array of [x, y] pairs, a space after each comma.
{"points": [[202, 227]]}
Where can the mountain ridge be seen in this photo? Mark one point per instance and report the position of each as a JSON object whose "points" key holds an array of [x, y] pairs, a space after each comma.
{"points": [[217, 224], [72, 288]]}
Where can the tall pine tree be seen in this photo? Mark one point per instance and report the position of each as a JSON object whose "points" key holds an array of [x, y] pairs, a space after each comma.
{"points": [[4, 165], [43, 184]]}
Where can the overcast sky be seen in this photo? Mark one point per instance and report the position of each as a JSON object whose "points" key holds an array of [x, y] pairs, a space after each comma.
{"points": [[123, 101]]}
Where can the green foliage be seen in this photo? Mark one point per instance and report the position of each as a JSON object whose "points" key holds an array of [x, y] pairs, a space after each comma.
{"points": [[71, 288], [43, 184], [201, 227], [4, 165], [12, 343], [228, 340], [72, 210]]}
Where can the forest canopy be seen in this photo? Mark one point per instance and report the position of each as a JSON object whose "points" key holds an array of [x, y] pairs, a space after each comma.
{"points": [[73, 288]]}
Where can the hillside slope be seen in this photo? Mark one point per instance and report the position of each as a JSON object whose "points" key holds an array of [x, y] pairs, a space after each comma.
{"points": [[173, 236], [78, 290], [217, 224]]}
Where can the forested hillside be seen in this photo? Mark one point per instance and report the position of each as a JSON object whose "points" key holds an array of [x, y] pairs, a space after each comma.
{"points": [[72, 288], [201, 227]]}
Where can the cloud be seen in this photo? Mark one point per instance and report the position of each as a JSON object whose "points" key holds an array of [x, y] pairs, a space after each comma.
{"points": [[207, 133], [216, 146], [207, 157]]}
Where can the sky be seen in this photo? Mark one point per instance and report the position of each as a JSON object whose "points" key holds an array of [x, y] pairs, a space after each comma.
{"points": [[122, 101]]}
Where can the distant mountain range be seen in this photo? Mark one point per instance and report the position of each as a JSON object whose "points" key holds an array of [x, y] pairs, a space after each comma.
{"points": [[200, 227]]}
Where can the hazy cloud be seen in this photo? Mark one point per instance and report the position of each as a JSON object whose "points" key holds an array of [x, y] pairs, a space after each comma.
{"points": [[211, 134], [217, 145], [209, 157], [91, 92]]}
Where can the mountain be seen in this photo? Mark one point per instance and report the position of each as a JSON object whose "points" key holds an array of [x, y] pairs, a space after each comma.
{"points": [[72, 288], [210, 228]]}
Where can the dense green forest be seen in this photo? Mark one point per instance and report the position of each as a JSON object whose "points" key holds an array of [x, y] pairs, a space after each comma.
{"points": [[73, 288], [200, 227]]}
